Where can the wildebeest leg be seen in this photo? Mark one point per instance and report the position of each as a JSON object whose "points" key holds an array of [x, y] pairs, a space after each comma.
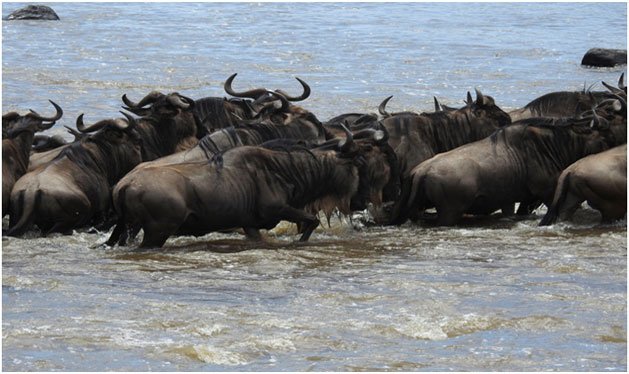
{"points": [[308, 221], [156, 235], [528, 206], [508, 210], [62, 227], [117, 234], [612, 211], [448, 215], [252, 234]]}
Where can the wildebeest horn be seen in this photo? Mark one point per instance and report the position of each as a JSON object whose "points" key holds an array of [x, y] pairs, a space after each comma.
{"points": [[380, 136], [597, 122], [95, 127], [383, 105], [130, 122], [616, 104], [302, 97], [621, 82], [252, 94], [52, 119], [345, 145], [612, 89], [77, 135], [265, 98], [480, 99], [180, 101], [437, 105], [148, 99], [469, 100], [623, 100]]}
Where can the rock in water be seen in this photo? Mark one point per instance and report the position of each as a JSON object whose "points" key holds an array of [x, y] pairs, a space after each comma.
{"points": [[604, 57], [37, 12]]}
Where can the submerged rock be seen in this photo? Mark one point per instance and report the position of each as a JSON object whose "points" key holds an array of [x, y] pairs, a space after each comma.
{"points": [[603, 57], [36, 12]]}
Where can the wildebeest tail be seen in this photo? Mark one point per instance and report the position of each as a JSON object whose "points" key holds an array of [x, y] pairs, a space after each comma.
{"points": [[408, 200], [560, 196], [23, 210], [121, 225]]}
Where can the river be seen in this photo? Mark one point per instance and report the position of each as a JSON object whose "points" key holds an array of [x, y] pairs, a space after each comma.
{"points": [[492, 294]]}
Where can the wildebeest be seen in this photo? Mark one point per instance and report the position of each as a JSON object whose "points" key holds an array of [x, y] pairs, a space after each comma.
{"points": [[518, 163], [599, 179], [566, 103], [249, 187], [16, 147], [75, 187]]}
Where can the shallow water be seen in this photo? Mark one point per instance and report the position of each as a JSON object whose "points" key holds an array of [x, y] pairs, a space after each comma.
{"points": [[492, 294]]}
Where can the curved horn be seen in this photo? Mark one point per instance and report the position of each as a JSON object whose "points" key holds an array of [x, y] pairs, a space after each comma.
{"points": [[148, 99], [345, 145], [380, 136], [52, 119], [612, 89], [480, 99], [469, 100], [265, 99], [302, 97], [142, 112], [283, 100], [131, 123], [180, 101], [623, 100], [616, 104], [187, 100], [252, 94], [77, 135], [621, 82], [597, 121], [95, 127], [383, 105]]}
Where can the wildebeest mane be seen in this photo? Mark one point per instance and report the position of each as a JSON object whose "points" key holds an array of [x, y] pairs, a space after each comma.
{"points": [[288, 145], [449, 130], [580, 101], [209, 146], [106, 162], [553, 148]]}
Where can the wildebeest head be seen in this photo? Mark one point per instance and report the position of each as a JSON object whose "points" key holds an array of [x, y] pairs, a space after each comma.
{"points": [[116, 140], [485, 108], [156, 105], [258, 92], [13, 123], [266, 102], [375, 161], [610, 116], [167, 124]]}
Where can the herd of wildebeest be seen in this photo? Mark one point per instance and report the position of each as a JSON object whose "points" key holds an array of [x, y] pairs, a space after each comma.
{"points": [[173, 165]]}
